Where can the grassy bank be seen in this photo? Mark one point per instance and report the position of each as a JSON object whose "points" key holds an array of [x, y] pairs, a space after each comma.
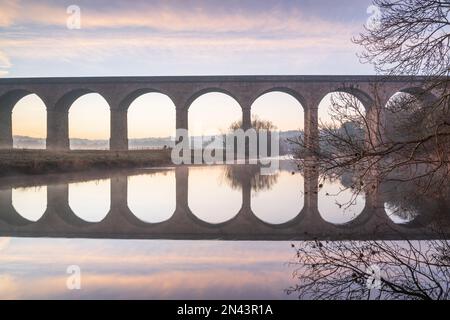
{"points": [[15, 162]]}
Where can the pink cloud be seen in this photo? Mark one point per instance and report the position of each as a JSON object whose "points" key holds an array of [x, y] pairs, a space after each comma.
{"points": [[171, 19]]}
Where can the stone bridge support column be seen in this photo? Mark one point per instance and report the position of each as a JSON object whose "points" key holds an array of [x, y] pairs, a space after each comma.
{"points": [[376, 114], [6, 139], [120, 219], [181, 120], [246, 124], [58, 130], [57, 197], [119, 192], [373, 142], [246, 222], [119, 130], [311, 132], [376, 126], [7, 211], [311, 187], [311, 140], [246, 118], [375, 118], [180, 219], [182, 186], [247, 195], [59, 216]]}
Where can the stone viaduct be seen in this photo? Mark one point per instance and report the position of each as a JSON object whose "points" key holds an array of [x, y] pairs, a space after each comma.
{"points": [[58, 94], [60, 221]]}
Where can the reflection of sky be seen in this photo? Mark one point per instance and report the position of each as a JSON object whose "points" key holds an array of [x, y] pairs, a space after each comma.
{"points": [[282, 202], [36, 268], [210, 197], [31, 202], [151, 197], [338, 204], [91, 200]]}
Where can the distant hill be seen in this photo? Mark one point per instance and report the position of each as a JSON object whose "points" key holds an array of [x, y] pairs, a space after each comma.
{"points": [[28, 142], [147, 143]]}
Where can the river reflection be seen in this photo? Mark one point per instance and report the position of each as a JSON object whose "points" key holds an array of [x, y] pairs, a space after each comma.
{"points": [[30, 202], [338, 203], [106, 211], [227, 195], [211, 196], [151, 197], [286, 194], [90, 200], [215, 195]]}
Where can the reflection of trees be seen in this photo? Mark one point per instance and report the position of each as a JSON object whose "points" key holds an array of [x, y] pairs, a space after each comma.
{"points": [[348, 270], [405, 212], [349, 179], [407, 200], [238, 175], [349, 184], [346, 179], [404, 198]]}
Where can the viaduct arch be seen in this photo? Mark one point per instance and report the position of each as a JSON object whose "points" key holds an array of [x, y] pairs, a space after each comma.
{"points": [[59, 93]]}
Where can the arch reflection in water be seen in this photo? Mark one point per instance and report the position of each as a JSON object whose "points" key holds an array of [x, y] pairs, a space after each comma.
{"points": [[280, 201], [211, 196], [338, 204], [30, 202], [399, 214], [151, 197], [91, 200]]}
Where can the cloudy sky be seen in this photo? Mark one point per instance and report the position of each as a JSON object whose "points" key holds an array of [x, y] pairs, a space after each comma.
{"points": [[181, 37], [174, 37]]}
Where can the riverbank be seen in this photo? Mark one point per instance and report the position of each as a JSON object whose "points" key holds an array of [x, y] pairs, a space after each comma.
{"points": [[32, 162]]}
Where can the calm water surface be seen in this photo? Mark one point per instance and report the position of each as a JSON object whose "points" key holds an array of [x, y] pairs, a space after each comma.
{"points": [[170, 269]]}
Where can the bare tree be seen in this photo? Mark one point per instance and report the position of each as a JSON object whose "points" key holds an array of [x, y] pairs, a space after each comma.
{"points": [[412, 143], [409, 37], [257, 124], [372, 270], [404, 145], [408, 139]]}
